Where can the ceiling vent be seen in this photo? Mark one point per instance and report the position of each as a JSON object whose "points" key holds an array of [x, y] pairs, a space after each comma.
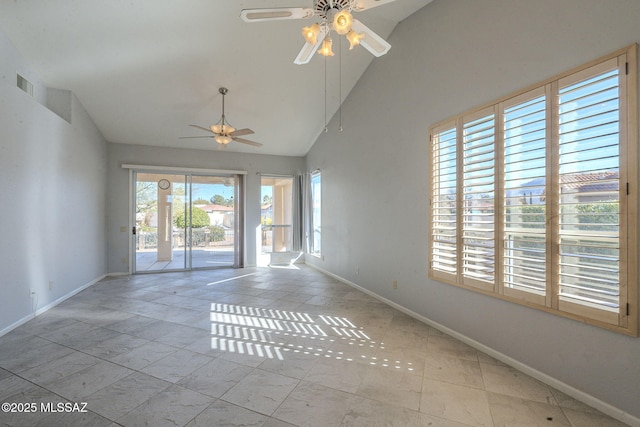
{"points": [[25, 85]]}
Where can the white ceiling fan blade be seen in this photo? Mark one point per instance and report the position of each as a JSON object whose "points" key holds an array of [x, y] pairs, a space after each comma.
{"points": [[201, 127], [371, 41], [368, 4], [241, 132], [246, 141], [257, 15], [307, 51]]}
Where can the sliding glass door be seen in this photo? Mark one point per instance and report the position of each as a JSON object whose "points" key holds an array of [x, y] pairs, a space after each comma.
{"points": [[187, 221], [214, 229]]}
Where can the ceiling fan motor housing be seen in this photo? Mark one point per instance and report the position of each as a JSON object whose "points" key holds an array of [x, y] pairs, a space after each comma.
{"points": [[325, 8]]}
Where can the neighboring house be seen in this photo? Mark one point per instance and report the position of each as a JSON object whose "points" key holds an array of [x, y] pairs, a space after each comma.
{"points": [[219, 214], [587, 187], [593, 186]]}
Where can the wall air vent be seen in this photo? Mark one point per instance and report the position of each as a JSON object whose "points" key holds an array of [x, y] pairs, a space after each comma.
{"points": [[25, 85]]}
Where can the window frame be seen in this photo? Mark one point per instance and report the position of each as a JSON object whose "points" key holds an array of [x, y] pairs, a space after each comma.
{"points": [[315, 248], [626, 319]]}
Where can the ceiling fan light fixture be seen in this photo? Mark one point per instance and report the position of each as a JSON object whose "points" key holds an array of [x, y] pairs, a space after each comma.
{"points": [[325, 49], [354, 38], [334, 15], [311, 33], [342, 22], [222, 129], [225, 133], [223, 139]]}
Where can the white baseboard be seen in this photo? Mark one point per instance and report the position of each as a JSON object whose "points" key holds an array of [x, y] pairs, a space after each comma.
{"points": [[16, 324], [49, 306], [583, 397], [117, 273]]}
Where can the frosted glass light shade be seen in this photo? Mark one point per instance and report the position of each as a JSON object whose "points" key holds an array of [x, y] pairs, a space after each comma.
{"points": [[223, 129], [354, 39], [310, 33], [325, 49], [342, 22], [223, 139]]}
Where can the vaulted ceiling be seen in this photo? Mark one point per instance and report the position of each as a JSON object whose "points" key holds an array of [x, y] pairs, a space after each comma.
{"points": [[146, 69]]}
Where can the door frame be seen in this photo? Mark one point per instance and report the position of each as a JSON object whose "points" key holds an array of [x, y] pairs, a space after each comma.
{"points": [[240, 207]]}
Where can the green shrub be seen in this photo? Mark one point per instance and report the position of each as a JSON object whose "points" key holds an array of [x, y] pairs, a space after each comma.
{"points": [[533, 216], [199, 218], [217, 233], [601, 216]]}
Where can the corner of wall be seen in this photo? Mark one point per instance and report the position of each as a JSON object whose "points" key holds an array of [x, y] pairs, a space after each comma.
{"points": [[59, 101]]}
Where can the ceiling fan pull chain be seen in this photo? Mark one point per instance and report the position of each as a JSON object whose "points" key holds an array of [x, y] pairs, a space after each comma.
{"points": [[326, 128], [340, 82]]}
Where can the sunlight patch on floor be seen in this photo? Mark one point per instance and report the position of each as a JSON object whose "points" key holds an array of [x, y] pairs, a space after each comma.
{"points": [[264, 332]]}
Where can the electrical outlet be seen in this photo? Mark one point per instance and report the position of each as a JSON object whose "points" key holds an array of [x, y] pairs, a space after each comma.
{"points": [[50, 285], [395, 284], [357, 270]]}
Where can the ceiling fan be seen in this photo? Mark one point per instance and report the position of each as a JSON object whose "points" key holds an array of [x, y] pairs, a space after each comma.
{"points": [[223, 132], [335, 15]]}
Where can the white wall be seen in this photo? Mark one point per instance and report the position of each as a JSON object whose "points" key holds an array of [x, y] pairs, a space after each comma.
{"points": [[53, 184], [118, 197], [450, 56]]}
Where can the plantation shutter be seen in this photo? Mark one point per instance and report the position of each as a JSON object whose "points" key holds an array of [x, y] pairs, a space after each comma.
{"points": [[443, 201], [533, 198], [524, 180], [478, 175], [589, 207]]}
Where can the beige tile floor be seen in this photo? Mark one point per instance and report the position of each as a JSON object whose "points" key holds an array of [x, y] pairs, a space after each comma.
{"points": [[259, 347]]}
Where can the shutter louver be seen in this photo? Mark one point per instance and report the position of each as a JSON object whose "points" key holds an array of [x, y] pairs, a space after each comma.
{"points": [[443, 202], [478, 233], [589, 169], [525, 196]]}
